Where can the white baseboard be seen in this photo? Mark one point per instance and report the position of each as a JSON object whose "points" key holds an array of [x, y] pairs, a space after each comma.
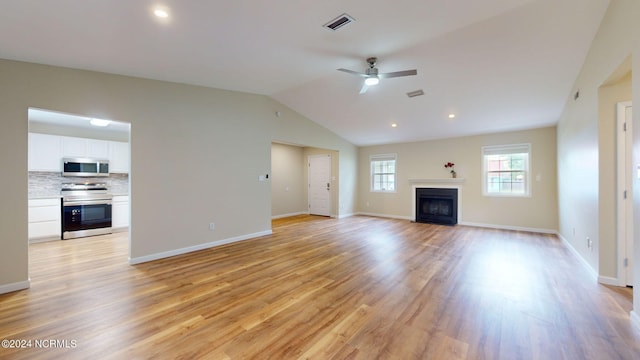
{"points": [[120, 229], [21, 285], [385, 216], [166, 254], [508, 227], [342, 216], [583, 261], [289, 215], [43, 239], [607, 280]]}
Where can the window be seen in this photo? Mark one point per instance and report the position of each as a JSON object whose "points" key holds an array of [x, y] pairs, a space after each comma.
{"points": [[506, 170], [383, 173]]}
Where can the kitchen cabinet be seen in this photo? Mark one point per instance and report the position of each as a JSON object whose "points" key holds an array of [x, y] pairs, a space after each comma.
{"points": [[45, 152], [119, 157], [81, 147], [97, 149], [120, 212], [44, 219]]}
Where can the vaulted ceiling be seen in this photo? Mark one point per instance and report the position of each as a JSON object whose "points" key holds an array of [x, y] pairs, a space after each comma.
{"points": [[498, 65]]}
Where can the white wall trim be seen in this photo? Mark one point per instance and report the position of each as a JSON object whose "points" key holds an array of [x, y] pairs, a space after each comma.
{"points": [[583, 261], [43, 239], [21, 285], [342, 216], [166, 254], [607, 280], [289, 215], [385, 216], [509, 227]]}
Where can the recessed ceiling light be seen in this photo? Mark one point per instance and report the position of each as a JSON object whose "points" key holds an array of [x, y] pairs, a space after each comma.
{"points": [[161, 13], [451, 116], [100, 122], [394, 125]]}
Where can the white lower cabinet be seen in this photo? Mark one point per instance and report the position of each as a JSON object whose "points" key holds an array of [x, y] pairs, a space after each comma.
{"points": [[44, 219], [120, 212]]}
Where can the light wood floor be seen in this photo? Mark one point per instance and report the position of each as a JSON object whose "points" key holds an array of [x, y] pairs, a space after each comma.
{"points": [[320, 288]]}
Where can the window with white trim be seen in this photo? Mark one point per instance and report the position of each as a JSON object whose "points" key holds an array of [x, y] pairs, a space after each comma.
{"points": [[506, 170], [383, 172]]}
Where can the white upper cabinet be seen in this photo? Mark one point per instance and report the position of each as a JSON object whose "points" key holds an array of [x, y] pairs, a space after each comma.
{"points": [[45, 152], [118, 157], [98, 149], [81, 147], [73, 147]]}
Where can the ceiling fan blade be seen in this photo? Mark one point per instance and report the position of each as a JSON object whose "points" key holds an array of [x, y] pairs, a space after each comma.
{"points": [[398, 74], [364, 89], [353, 72]]}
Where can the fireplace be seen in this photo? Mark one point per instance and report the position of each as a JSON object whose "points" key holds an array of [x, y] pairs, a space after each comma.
{"points": [[437, 206]]}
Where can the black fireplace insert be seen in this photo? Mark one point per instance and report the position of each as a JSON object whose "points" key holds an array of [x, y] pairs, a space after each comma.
{"points": [[437, 206]]}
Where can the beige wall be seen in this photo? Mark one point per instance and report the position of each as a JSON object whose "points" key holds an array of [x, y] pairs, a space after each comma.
{"points": [[196, 154], [580, 130], [425, 160], [287, 180]]}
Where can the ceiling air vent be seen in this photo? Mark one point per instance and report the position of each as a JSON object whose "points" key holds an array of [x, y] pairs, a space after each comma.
{"points": [[415, 93], [339, 22]]}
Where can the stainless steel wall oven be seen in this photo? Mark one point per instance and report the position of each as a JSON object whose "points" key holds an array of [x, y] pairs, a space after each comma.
{"points": [[86, 210]]}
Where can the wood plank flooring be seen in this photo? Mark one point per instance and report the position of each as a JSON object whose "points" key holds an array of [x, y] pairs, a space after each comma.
{"points": [[321, 288]]}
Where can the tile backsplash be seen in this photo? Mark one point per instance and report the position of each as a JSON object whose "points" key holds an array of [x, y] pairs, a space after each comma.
{"points": [[48, 184]]}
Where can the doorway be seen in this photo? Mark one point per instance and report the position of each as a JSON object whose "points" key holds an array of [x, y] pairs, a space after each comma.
{"points": [[319, 195], [54, 136], [625, 195]]}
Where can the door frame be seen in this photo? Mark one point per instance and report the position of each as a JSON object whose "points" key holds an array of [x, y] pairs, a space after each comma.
{"points": [[624, 205]]}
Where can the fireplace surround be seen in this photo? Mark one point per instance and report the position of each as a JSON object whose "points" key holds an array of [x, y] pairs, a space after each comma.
{"points": [[436, 205]]}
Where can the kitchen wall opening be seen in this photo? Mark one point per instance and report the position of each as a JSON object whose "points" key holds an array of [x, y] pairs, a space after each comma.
{"points": [[78, 176]]}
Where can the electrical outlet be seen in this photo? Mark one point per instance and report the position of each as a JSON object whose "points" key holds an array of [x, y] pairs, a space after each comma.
{"points": [[212, 226]]}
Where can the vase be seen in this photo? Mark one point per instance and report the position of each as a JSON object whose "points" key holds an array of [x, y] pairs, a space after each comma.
{"points": [[454, 174]]}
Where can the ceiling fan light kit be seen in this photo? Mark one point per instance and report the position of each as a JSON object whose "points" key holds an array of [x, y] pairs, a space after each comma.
{"points": [[372, 76], [371, 81]]}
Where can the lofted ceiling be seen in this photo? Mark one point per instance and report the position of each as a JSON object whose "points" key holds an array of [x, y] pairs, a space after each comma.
{"points": [[498, 65]]}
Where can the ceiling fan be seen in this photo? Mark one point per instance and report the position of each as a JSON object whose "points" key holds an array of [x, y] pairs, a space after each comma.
{"points": [[372, 77]]}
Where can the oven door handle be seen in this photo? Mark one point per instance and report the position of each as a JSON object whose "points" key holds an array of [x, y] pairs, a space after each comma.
{"points": [[86, 202]]}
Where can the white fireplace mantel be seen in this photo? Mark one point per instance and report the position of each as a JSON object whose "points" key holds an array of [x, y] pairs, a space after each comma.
{"points": [[437, 181], [449, 183]]}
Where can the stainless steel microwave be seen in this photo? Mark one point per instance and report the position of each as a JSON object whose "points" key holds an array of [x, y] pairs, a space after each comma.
{"points": [[85, 167]]}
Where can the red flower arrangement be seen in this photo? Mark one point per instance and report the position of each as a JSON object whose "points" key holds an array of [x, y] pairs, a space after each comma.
{"points": [[450, 165]]}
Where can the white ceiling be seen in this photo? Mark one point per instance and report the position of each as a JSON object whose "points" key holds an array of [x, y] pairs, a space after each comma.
{"points": [[499, 65]]}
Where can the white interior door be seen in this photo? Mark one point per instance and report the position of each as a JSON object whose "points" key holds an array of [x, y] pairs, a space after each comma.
{"points": [[625, 194], [320, 185]]}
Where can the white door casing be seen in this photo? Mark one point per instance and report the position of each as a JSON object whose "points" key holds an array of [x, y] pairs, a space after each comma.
{"points": [[319, 196], [625, 194]]}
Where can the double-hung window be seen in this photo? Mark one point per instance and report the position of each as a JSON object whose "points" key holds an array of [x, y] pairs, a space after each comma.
{"points": [[383, 172], [506, 170]]}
